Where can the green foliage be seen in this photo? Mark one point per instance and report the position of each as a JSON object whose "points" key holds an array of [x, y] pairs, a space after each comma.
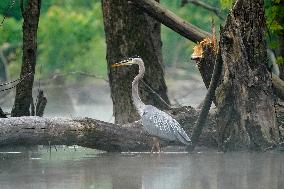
{"points": [[275, 25], [226, 4], [274, 17], [11, 31], [14, 11], [280, 60], [72, 40]]}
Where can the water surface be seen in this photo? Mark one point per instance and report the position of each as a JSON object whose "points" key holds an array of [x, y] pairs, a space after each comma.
{"points": [[73, 167]]}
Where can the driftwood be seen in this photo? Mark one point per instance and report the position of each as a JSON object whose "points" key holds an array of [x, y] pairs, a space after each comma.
{"points": [[93, 133]]}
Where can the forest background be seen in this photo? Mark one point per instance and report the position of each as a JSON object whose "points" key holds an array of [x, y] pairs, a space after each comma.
{"points": [[72, 48]]}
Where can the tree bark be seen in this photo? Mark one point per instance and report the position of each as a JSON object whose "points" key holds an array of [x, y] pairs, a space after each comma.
{"points": [[93, 133], [210, 96], [206, 64], [23, 97], [246, 112], [130, 32]]}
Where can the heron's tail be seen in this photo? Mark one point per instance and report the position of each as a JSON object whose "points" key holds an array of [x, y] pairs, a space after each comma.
{"points": [[183, 137]]}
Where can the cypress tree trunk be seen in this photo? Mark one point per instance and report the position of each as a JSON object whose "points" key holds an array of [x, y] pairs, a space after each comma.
{"points": [[130, 32], [23, 97], [246, 112]]}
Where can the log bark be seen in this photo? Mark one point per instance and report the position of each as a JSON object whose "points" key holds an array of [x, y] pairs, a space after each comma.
{"points": [[129, 31], [171, 20], [23, 97], [93, 133], [246, 112]]}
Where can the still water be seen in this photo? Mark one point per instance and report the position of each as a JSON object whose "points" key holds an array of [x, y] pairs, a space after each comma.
{"points": [[80, 168]]}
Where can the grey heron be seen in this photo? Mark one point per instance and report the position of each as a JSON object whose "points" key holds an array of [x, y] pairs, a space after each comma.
{"points": [[157, 123]]}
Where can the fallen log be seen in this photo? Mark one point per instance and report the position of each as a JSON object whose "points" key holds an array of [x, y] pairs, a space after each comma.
{"points": [[93, 133], [101, 135]]}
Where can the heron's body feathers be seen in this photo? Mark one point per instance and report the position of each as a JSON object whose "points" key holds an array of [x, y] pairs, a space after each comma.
{"points": [[161, 124]]}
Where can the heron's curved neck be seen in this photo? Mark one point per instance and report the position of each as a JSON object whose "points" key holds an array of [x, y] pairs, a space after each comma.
{"points": [[135, 91]]}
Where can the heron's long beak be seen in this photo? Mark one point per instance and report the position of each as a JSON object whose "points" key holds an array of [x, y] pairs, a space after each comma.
{"points": [[122, 63]]}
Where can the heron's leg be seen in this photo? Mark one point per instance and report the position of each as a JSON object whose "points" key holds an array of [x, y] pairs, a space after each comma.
{"points": [[156, 144], [153, 148]]}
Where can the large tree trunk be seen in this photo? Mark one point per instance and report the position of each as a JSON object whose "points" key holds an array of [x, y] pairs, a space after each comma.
{"points": [[23, 97], [130, 32], [246, 112]]}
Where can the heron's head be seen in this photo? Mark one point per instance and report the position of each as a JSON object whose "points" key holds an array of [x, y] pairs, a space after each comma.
{"points": [[128, 62]]}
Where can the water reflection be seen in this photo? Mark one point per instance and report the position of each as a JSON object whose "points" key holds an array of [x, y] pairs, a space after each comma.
{"points": [[84, 168]]}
